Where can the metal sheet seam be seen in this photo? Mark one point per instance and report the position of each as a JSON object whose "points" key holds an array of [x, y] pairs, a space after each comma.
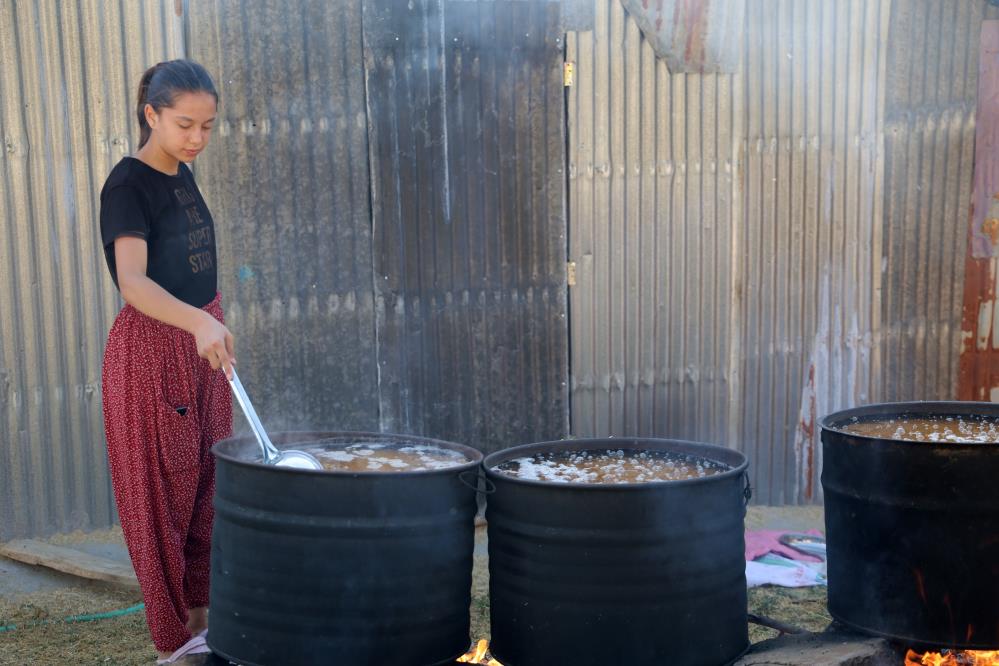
{"points": [[373, 206], [737, 289]]}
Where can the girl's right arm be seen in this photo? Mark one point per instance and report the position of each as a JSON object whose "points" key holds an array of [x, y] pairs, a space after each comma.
{"points": [[215, 342]]}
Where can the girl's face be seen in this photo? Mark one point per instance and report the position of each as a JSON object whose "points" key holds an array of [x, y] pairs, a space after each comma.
{"points": [[182, 131]]}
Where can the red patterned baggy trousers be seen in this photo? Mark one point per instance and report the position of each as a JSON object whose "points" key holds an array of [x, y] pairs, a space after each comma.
{"points": [[164, 407]]}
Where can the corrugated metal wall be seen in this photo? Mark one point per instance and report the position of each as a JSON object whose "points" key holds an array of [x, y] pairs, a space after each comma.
{"points": [[930, 108], [66, 76], [651, 177], [749, 247], [288, 183], [467, 152], [756, 250], [700, 36], [978, 368], [814, 94]]}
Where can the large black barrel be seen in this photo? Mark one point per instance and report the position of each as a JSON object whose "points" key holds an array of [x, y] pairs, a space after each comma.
{"points": [[912, 530], [598, 574], [321, 567]]}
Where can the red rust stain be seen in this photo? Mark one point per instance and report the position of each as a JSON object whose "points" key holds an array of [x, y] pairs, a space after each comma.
{"points": [[809, 464], [697, 11], [808, 427], [978, 369], [808, 431], [659, 23]]}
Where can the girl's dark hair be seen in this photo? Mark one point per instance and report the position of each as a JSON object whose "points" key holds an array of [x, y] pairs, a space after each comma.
{"points": [[163, 82]]}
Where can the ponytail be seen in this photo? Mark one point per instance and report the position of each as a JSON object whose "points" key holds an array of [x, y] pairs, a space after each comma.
{"points": [[160, 85], [144, 129]]}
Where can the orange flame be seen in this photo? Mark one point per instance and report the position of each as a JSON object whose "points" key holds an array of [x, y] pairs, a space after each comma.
{"points": [[478, 654], [953, 658]]}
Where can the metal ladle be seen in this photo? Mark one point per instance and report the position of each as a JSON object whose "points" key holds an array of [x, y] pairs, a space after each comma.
{"points": [[272, 456]]}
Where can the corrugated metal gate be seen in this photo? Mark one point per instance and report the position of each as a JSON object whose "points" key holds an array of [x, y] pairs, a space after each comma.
{"points": [[288, 182], [390, 177], [466, 118]]}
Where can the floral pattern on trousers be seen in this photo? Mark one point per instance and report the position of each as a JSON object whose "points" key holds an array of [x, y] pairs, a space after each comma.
{"points": [[164, 407]]}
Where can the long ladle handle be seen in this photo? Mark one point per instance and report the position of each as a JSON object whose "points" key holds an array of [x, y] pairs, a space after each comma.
{"points": [[270, 451]]}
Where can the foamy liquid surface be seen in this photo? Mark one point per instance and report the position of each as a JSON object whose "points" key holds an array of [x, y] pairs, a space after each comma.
{"points": [[610, 466], [946, 429]]}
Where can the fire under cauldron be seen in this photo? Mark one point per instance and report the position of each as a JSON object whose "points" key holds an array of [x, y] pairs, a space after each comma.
{"points": [[598, 574], [328, 567], [912, 529]]}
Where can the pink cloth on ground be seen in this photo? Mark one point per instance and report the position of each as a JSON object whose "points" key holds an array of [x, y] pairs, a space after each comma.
{"points": [[761, 542]]}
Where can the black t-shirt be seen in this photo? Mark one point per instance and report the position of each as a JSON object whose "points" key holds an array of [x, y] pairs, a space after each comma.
{"points": [[170, 213]]}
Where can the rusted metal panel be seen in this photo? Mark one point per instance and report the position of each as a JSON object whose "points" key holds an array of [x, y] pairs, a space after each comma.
{"points": [[932, 79], [985, 205], [692, 35], [466, 148], [979, 361]]}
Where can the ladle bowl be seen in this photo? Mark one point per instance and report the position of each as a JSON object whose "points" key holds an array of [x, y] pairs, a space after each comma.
{"points": [[272, 455]]}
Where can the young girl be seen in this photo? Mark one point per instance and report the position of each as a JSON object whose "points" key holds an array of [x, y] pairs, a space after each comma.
{"points": [[165, 400]]}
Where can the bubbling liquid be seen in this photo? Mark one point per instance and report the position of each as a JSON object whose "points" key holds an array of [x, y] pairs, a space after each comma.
{"points": [[610, 466], [943, 429], [383, 456]]}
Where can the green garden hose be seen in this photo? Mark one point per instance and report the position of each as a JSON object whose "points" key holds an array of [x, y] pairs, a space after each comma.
{"points": [[77, 618]]}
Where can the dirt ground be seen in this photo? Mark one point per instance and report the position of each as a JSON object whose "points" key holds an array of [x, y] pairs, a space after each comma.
{"points": [[43, 637]]}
